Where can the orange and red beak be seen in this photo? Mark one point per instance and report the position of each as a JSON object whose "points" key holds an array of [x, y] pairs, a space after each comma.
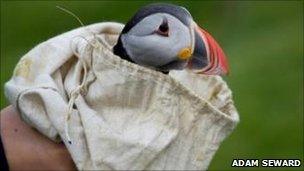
{"points": [[208, 57]]}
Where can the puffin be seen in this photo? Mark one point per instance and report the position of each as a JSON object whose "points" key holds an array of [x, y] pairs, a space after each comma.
{"points": [[164, 37]]}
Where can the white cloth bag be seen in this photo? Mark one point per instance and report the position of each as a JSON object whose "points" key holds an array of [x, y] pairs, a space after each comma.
{"points": [[119, 115]]}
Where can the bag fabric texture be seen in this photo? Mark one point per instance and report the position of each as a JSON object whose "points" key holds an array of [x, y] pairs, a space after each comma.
{"points": [[116, 115]]}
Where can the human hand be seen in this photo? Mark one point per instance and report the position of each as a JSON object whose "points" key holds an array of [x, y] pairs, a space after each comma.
{"points": [[27, 149]]}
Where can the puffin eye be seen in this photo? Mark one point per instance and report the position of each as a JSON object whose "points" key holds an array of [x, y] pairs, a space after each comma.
{"points": [[163, 29]]}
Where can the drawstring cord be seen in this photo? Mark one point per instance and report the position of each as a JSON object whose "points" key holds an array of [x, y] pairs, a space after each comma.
{"points": [[82, 88]]}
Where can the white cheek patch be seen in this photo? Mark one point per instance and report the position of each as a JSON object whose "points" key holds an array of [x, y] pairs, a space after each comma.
{"points": [[148, 48]]}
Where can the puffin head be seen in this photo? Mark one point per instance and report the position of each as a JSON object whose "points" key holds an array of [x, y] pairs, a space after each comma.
{"points": [[165, 37]]}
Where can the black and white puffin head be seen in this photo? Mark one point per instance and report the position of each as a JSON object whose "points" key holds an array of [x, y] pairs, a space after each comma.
{"points": [[165, 37]]}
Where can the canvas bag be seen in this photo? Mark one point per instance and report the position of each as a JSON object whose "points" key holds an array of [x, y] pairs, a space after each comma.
{"points": [[119, 115]]}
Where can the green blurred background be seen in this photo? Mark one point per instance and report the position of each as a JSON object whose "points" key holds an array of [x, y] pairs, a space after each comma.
{"points": [[264, 43]]}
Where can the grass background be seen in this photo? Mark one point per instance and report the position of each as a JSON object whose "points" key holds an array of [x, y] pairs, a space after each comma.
{"points": [[264, 43]]}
